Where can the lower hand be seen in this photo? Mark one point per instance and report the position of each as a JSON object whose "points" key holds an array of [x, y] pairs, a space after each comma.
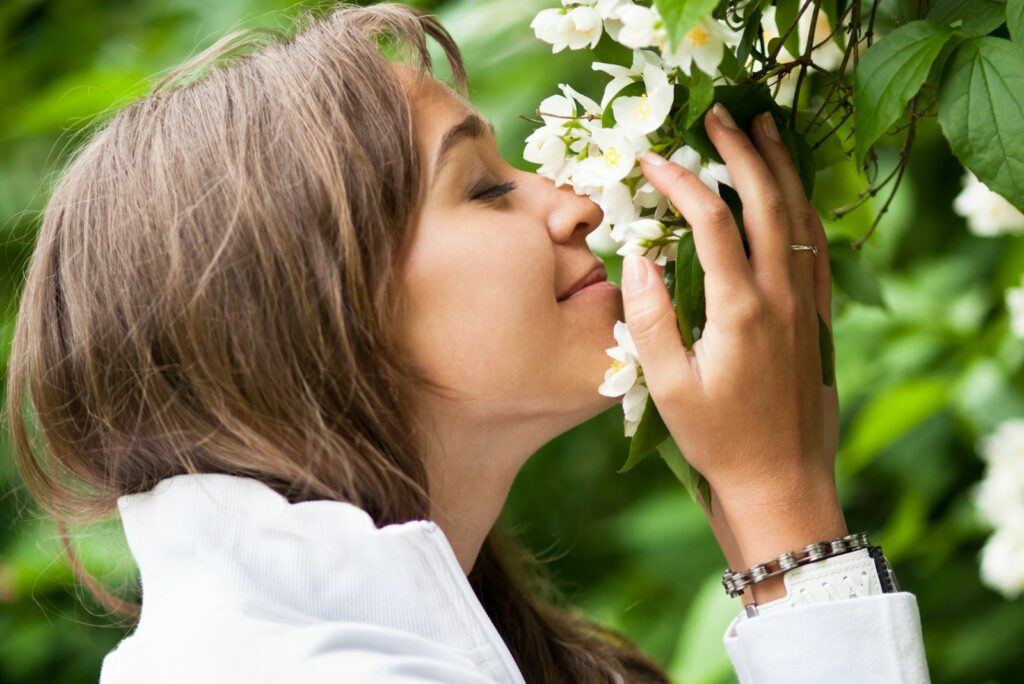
{"points": [[746, 405]]}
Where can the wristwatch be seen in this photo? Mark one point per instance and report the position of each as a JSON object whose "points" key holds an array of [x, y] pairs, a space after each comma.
{"points": [[863, 572]]}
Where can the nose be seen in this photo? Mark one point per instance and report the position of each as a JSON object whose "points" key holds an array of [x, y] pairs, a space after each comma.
{"points": [[570, 216]]}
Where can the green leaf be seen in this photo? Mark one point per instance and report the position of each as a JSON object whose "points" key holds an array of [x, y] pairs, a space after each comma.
{"points": [[824, 137], [689, 476], [681, 15], [688, 290], [978, 17], [981, 98], [750, 32], [786, 13], [1015, 20], [798, 148], [702, 93], [730, 67], [650, 432], [743, 102], [827, 350], [888, 416], [889, 74], [853, 276]]}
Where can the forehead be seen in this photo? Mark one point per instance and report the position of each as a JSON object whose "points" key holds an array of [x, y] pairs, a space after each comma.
{"points": [[436, 107]]}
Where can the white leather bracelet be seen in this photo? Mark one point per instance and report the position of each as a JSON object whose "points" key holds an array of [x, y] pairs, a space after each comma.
{"points": [[864, 572]]}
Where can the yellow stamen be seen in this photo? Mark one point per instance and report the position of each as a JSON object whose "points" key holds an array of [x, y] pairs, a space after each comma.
{"points": [[643, 108], [698, 37], [612, 156], [617, 365]]}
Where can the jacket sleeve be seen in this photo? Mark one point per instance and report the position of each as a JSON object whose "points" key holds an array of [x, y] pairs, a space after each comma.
{"points": [[865, 639]]}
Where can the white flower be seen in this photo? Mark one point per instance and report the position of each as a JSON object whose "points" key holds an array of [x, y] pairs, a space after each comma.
{"points": [[622, 76], [710, 174], [568, 119], [609, 11], [633, 407], [557, 110], [648, 237], [545, 146], [646, 113], [624, 377], [1002, 561], [1003, 448], [1000, 497], [704, 44], [576, 28], [1015, 305], [988, 213], [617, 205], [641, 26], [615, 159]]}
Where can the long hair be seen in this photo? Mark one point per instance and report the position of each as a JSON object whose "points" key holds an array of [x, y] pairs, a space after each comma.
{"points": [[213, 290]]}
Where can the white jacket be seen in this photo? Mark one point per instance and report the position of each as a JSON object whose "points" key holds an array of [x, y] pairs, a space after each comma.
{"points": [[239, 585]]}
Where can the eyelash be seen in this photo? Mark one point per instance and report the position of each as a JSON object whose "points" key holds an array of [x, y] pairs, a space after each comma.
{"points": [[495, 191]]}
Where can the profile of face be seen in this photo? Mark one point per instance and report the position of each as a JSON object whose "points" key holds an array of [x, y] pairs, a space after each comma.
{"points": [[493, 251]]}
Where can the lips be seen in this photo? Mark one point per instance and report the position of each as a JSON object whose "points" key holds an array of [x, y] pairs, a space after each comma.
{"points": [[594, 275]]}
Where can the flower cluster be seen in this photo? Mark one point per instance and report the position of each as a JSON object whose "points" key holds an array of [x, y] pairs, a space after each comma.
{"points": [[1000, 500], [595, 146]]}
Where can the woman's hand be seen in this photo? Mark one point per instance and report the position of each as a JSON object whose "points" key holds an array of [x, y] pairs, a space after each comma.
{"points": [[747, 406]]}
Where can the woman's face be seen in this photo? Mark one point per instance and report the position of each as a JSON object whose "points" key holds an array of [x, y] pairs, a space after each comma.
{"points": [[493, 251]]}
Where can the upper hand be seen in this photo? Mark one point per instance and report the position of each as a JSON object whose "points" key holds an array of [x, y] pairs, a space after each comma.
{"points": [[746, 405]]}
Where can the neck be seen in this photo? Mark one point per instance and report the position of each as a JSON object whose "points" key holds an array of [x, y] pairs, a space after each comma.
{"points": [[470, 474]]}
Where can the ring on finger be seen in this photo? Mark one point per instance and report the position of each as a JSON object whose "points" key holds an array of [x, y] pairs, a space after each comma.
{"points": [[797, 248]]}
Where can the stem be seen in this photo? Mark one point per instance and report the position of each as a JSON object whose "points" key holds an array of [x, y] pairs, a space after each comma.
{"points": [[901, 168]]}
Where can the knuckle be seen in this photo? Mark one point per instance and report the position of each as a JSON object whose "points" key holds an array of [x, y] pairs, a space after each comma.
{"points": [[788, 307], [747, 310], [773, 204], [716, 213], [801, 215], [643, 326]]}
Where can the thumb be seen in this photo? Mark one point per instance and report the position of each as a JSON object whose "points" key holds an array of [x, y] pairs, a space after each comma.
{"points": [[655, 331]]}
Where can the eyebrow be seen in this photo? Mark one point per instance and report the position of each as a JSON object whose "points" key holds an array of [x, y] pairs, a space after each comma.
{"points": [[471, 127]]}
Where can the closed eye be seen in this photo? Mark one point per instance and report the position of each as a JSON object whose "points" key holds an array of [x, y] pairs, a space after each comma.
{"points": [[495, 191]]}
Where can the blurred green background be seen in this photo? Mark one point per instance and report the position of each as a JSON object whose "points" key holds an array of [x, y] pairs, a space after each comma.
{"points": [[926, 365]]}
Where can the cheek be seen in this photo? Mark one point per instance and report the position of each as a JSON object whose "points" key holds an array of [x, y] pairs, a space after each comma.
{"points": [[482, 310]]}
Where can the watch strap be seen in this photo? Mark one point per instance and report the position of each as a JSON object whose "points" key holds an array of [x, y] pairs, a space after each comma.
{"points": [[865, 572]]}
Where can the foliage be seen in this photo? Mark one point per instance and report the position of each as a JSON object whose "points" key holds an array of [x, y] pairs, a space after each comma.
{"points": [[925, 360]]}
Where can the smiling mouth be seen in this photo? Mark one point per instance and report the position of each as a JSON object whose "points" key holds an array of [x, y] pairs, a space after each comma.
{"points": [[597, 275]]}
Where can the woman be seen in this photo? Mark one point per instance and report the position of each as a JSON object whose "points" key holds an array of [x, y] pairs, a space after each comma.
{"points": [[300, 325]]}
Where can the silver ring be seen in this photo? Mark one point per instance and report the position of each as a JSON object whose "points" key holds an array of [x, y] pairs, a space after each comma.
{"points": [[796, 248]]}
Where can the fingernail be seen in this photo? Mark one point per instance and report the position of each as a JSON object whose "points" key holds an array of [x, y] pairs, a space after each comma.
{"points": [[634, 274], [653, 158], [769, 127], [723, 115]]}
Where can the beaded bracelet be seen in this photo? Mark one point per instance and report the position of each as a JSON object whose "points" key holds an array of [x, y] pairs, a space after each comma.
{"points": [[736, 582]]}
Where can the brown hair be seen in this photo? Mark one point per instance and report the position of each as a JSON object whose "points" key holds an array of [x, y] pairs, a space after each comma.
{"points": [[213, 290]]}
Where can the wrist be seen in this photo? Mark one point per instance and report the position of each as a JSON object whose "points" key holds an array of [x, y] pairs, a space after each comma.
{"points": [[767, 527]]}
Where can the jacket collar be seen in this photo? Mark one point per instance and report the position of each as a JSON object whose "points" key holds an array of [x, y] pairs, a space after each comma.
{"points": [[205, 542]]}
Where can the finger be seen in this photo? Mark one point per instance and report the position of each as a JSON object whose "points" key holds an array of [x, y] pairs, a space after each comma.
{"points": [[765, 217], [715, 234], [775, 154], [652, 325]]}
